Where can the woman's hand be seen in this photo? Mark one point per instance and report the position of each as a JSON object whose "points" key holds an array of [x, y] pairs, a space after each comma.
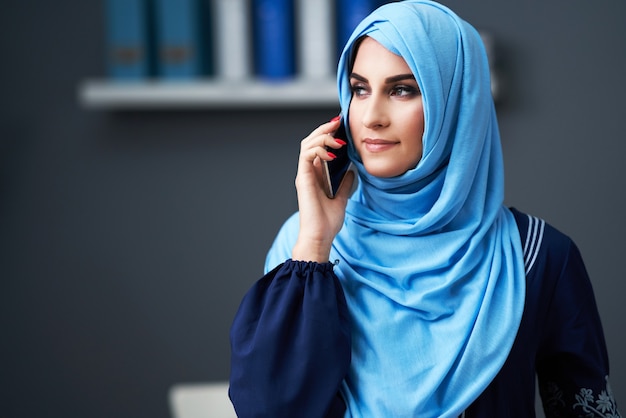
{"points": [[321, 218]]}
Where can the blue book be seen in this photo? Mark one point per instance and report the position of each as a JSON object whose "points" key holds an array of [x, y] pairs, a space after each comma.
{"points": [[128, 53], [349, 15], [182, 32], [274, 54]]}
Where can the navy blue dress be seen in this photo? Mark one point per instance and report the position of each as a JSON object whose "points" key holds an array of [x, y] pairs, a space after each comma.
{"points": [[290, 341]]}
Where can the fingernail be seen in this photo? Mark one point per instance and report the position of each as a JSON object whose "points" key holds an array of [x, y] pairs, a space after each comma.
{"points": [[340, 141], [336, 118], [331, 155]]}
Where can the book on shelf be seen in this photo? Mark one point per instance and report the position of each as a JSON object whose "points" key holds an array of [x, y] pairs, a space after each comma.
{"points": [[274, 56], [316, 49], [231, 21], [128, 39], [349, 15], [183, 39], [267, 40]]}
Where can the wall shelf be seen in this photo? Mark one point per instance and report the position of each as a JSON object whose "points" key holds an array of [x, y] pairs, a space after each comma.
{"points": [[207, 94]]}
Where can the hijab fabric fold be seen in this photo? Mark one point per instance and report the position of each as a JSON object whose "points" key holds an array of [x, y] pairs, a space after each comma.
{"points": [[430, 261]]}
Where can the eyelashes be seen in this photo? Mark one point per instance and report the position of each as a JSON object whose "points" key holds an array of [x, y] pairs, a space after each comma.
{"points": [[359, 89], [406, 91]]}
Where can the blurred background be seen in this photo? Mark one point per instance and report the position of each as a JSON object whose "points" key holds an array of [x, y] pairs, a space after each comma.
{"points": [[127, 238]]}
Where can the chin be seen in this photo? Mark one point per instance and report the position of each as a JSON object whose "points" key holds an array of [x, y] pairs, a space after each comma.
{"points": [[383, 171]]}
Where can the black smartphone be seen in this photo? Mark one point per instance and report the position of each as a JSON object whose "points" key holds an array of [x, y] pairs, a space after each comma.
{"points": [[335, 170]]}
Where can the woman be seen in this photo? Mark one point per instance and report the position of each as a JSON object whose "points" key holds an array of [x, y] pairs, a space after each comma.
{"points": [[439, 301]]}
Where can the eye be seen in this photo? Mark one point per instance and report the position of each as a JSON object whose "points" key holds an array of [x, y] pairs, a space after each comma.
{"points": [[403, 90], [359, 90]]}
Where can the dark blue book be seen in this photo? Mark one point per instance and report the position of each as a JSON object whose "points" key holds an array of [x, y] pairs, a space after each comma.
{"points": [[128, 53], [349, 15], [274, 54], [183, 40]]}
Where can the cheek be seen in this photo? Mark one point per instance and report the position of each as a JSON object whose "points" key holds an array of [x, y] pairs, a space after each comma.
{"points": [[414, 127], [354, 125], [414, 132], [353, 117]]}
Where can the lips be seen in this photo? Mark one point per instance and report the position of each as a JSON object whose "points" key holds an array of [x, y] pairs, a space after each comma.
{"points": [[378, 145]]}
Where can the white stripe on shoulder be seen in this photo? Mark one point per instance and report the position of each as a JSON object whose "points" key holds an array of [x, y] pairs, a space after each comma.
{"points": [[534, 237]]}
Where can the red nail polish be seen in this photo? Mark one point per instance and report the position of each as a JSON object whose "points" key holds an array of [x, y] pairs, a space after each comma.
{"points": [[340, 141], [336, 118], [331, 155]]}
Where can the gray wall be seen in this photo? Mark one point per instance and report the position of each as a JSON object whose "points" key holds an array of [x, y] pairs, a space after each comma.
{"points": [[127, 239]]}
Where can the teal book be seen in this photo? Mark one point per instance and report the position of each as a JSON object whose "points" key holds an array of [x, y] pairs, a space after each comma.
{"points": [[183, 39], [127, 39]]}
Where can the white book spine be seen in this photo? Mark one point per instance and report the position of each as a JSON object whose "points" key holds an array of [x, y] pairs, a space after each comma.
{"points": [[231, 36], [316, 32]]}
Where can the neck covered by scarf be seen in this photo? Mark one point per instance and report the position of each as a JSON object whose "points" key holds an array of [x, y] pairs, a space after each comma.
{"points": [[430, 261]]}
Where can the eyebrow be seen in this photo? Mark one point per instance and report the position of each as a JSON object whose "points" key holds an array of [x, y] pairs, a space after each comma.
{"points": [[388, 80]]}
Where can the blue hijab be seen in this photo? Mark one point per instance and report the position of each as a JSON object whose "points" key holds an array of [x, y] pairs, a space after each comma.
{"points": [[430, 261]]}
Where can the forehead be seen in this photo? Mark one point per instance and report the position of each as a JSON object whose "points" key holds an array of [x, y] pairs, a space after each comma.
{"points": [[374, 59]]}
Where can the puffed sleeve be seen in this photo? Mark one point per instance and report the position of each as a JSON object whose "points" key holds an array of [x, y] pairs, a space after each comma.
{"points": [[290, 344], [573, 365]]}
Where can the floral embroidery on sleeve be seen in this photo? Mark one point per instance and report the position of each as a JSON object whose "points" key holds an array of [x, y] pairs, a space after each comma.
{"points": [[553, 399], [586, 404], [603, 406]]}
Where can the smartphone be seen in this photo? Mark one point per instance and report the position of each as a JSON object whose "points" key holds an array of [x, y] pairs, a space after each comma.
{"points": [[335, 170]]}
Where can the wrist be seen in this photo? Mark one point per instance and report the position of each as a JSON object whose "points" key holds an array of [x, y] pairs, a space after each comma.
{"points": [[318, 252]]}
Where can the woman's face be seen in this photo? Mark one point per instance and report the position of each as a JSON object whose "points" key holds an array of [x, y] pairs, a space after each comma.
{"points": [[386, 111]]}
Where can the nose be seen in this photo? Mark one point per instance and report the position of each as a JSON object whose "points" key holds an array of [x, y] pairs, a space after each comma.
{"points": [[375, 112]]}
